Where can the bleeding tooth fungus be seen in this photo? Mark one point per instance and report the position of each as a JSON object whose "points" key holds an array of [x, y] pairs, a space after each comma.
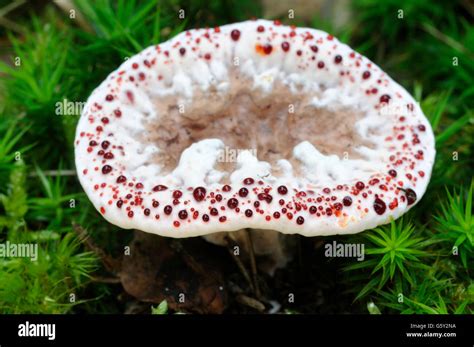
{"points": [[339, 146]]}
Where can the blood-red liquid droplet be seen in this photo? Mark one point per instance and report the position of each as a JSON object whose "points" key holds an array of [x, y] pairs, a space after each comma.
{"points": [[267, 49], [243, 192], [385, 98], [183, 214], [121, 179], [379, 206], [232, 203], [282, 190], [347, 201], [159, 188], [249, 181], [235, 34], [106, 169], [264, 196], [199, 193], [411, 196]]}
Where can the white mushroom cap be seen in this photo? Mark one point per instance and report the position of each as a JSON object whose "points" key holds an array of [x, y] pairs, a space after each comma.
{"points": [[309, 193]]}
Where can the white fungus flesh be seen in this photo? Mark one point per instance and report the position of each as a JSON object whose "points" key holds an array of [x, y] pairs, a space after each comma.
{"points": [[252, 125]]}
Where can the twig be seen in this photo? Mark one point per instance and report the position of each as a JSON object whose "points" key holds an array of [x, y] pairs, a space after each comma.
{"points": [[7, 22], [10, 7], [447, 39], [110, 280], [111, 264], [300, 253], [239, 263], [250, 302], [253, 263], [11, 25], [178, 247], [55, 173], [469, 6], [67, 6]]}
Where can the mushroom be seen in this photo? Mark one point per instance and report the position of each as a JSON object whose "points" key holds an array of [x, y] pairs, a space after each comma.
{"points": [[252, 126]]}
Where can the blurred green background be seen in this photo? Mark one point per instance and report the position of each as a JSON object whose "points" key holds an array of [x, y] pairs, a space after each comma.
{"points": [[52, 51]]}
